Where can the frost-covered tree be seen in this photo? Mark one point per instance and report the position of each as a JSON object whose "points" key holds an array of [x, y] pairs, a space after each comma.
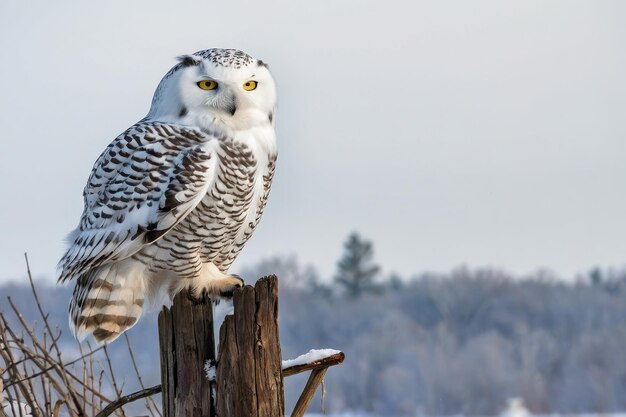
{"points": [[356, 270]]}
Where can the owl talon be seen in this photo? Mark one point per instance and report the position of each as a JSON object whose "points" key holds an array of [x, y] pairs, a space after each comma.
{"points": [[235, 283], [215, 289], [202, 297]]}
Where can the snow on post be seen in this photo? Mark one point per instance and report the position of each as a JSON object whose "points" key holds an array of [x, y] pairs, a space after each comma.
{"points": [[310, 357]]}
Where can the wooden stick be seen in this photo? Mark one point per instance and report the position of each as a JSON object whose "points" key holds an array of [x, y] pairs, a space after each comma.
{"points": [[316, 377], [2, 414], [109, 409], [332, 360]]}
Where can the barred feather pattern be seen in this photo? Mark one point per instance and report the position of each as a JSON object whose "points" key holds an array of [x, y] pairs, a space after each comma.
{"points": [[162, 201], [216, 231]]}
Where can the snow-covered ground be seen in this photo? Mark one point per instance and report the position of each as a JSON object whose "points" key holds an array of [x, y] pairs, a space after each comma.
{"points": [[515, 410], [357, 414]]}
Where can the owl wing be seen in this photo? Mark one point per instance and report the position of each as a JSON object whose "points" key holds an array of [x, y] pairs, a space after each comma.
{"points": [[146, 181]]}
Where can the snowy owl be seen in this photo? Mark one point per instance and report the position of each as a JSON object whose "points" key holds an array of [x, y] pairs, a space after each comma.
{"points": [[171, 201]]}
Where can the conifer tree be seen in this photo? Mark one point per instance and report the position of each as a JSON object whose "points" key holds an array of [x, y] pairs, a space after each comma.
{"points": [[356, 270]]}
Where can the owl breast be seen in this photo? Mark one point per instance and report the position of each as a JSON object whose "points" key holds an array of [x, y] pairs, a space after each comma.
{"points": [[219, 226]]}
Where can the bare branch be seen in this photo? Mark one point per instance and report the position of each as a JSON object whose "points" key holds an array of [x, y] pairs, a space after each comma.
{"points": [[50, 368], [70, 389], [37, 377], [109, 409], [317, 376], [149, 401]]}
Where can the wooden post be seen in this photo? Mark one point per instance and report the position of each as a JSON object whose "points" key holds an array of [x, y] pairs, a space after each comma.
{"points": [[249, 376], [249, 367], [187, 343]]}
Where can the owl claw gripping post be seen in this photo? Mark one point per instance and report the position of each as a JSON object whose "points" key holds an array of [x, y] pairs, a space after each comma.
{"points": [[171, 201]]}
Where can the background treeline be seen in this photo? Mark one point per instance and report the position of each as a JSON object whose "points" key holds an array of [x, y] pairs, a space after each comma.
{"points": [[434, 344]]}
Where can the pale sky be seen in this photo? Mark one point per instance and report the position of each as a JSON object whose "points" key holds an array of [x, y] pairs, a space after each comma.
{"points": [[448, 132]]}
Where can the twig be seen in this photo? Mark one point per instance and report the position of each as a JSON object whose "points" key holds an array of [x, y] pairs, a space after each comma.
{"points": [[46, 395], [57, 364], [100, 383], [2, 414], [149, 401], [36, 375], [54, 342], [109, 409], [57, 407], [323, 397], [34, 359], [118, 391], [92, 380], [32, 400], [7, 356], [34, 291], [50, 368]]}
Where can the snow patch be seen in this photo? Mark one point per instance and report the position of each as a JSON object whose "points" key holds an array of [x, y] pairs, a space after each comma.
{"points": [[312, 356], [209, 370], [515, 408]]}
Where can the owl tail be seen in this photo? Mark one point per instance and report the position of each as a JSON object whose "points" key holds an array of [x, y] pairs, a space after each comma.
{"points": [[107, 300]]}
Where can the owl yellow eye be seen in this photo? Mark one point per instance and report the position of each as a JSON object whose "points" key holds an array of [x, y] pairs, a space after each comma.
{"points": [[249, 85], [207, 84]]}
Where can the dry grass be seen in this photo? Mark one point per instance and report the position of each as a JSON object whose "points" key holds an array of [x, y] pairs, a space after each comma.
{"points": [[35, 374]]}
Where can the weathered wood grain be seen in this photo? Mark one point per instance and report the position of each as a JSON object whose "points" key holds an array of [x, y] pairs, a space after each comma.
{"points": [[245, 332], [227, 365], [268, 353], [187, 342], [249, 374]]}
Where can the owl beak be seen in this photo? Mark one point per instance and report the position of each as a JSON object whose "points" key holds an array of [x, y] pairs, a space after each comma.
{"points": [[232, 107], [227, 101]]}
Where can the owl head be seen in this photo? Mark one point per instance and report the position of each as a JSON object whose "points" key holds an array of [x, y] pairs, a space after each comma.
{"points": [[216, 87]]}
